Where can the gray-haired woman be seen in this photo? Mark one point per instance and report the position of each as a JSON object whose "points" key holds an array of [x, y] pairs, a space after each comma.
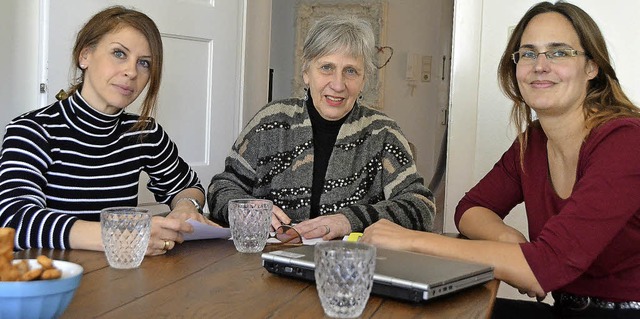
{"points": [[329, 164]]}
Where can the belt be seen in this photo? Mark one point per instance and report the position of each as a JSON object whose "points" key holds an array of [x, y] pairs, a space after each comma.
{"points": [[578, 303]]}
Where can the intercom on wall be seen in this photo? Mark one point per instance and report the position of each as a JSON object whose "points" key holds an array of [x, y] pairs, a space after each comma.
{"points": [[418, 69]]}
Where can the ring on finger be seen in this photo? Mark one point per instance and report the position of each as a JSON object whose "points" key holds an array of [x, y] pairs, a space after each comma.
{"points": [[166, 245], [327, 229]]}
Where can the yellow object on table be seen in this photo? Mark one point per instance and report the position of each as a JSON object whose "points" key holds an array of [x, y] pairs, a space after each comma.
{"points": [[353, 237]]}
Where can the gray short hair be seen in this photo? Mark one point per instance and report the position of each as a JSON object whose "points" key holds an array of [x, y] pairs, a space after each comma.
{"points": [[332, 34]]}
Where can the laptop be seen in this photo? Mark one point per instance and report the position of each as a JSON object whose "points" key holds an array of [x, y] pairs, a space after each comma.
{"points": [[399, 274]]}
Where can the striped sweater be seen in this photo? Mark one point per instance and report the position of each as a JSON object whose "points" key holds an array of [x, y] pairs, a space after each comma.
{"points": [[67, 161], [370, 176]]}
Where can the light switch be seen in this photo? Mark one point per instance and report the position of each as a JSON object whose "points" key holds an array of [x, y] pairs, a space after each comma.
{"points": [[426, 68]]}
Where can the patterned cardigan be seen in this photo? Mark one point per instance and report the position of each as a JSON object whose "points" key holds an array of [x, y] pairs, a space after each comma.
{"points": [[370, 176]]}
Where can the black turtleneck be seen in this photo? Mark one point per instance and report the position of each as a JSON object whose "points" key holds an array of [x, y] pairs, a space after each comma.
{"points": [[325, 133]]}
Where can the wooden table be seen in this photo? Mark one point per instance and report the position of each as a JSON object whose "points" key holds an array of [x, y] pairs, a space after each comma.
{"points": [[208, 278]]}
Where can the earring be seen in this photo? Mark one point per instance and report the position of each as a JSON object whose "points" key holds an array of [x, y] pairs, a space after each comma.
{"points": [[82, 66], [306, 94], [62, 95]]}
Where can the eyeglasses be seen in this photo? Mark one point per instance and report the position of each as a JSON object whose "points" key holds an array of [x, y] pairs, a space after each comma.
{"points": [[286, 234], [555, 56]]}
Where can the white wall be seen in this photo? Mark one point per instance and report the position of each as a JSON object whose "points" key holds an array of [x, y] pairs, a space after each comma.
{"points": [[256, 62], [479, 127], [283, 34], [19, 84], [421, 27]]}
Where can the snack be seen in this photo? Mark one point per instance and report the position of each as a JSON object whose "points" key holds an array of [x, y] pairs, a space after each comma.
{"points": [[45, 262], [31, 274], [51, 274], [21, 271], [6, 243]]}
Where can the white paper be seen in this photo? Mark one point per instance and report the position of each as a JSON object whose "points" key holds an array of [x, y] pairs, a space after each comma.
{"points": [[205, 231], [312, 241]]}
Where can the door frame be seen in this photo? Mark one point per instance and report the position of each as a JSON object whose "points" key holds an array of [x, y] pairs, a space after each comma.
{"points": [[463, 105]]}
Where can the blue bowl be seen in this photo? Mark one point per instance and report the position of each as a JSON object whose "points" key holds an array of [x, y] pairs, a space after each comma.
{"points": [[40, 298]]}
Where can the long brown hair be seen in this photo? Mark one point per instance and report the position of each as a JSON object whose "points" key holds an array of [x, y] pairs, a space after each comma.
{"points": [[113, 19], [605, 99]]}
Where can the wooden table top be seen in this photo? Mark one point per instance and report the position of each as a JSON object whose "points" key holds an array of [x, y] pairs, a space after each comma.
{"points": [[209, 278]]}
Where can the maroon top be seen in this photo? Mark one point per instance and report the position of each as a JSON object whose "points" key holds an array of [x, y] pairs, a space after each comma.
{"points": [[589, 243]]}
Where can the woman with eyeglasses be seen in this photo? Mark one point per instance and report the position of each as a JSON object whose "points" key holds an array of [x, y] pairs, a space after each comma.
{"points": [[62, 164], [328, 163], [575, 168]]}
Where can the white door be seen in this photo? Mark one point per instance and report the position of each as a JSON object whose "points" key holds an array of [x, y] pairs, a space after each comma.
{"points": [[200, 95]]}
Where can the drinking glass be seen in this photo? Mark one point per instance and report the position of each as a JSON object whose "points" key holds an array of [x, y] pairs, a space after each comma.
{"points": [[250, 221], [344, 277], [125, 235]]}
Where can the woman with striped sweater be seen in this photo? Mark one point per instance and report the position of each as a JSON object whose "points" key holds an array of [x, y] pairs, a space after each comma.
{"points": [[60, 165]]}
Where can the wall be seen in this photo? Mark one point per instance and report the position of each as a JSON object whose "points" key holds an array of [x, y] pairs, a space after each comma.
{"points": [[416, 26], [283, 34], [18, 61], [256, 61], [479, 128], [421, 27]]}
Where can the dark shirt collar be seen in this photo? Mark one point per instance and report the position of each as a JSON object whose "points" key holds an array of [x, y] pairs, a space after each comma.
{"points": [[321, 124]]}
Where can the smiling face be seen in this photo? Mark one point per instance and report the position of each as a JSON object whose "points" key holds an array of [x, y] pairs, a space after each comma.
{"points": [[116, 70], [335, 82], [553, 87]]}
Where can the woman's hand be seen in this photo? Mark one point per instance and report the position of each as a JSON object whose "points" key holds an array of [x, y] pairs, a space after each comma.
{"points": [[387, 234], [279, 217], [328, 227], [165, 234], [185, 210], [540, 295]]}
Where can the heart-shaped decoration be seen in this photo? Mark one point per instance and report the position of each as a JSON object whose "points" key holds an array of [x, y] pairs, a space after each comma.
{"points": [[383, 55]]}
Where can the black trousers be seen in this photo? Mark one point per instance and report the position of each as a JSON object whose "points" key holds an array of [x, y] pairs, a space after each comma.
{"points": [[522, 309]]}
